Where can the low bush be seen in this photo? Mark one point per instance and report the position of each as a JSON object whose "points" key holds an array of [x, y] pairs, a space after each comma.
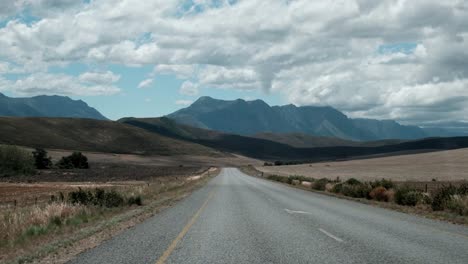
{"points": [[442, 197], [320, 185], [352, 181], [379, 193], [356, 190], [14, 161], [102, 198], [337, 188], [113, 199], [458, 204], [463, 189], [387, 184], [134, 201], [75, 161], [278, 178], [408, 196]]}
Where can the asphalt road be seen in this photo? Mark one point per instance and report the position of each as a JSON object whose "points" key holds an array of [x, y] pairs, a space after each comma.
{"points": [[236, 218]]}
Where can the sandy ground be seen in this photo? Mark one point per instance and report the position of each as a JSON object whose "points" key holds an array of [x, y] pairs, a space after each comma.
{"points": [[449, 165]]}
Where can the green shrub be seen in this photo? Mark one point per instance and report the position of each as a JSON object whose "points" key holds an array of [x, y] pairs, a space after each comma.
{"points": [[41, 160], [337, 188], [320, 184], [356, 190], [99, 198], [80, 197], [387, 184], [278, 178], [113, 199], [463, 189], [352, 181], [14, 161], [407, 196], [134, 200], [442, 197], [75, 161], [458, 204]]}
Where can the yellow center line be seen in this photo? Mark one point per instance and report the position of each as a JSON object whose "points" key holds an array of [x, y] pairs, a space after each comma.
{"points": [[184, 231]]}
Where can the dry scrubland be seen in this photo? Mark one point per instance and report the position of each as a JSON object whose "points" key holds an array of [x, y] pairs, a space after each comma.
{"points": [[43, 212], [444, 166], [431, 184]]}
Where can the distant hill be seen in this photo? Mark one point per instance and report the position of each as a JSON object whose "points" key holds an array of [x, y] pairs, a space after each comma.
{"points": [[271, 150], [389, 129], [47, 106], [307, 141], [92, 135], [253, 117]]}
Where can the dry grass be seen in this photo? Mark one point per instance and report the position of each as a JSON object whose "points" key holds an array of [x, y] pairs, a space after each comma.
{"points": [[28, 226], [449, 165], [15, 222]]}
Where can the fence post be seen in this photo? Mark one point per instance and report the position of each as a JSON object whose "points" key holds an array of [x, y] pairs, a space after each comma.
{"points": [[426, 187]]}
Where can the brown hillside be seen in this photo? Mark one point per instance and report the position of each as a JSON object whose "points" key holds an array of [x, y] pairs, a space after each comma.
{"points": [[92, 135]]}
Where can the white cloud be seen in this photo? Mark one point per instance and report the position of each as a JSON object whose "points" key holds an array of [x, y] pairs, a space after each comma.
{"points": [[145, 83], [311, 52], [181, 71], [188, 88], [99, 77], [57, 84], [183, 102]]}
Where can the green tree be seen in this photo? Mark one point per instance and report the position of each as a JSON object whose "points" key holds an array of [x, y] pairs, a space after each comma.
{"points": [[41, 160], [75, 161]]}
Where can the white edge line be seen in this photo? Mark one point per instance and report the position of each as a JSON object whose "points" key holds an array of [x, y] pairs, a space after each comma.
{"points": [[330, 235]]}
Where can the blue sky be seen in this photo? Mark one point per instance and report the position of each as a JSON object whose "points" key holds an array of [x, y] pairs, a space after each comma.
{"points": [[158, 99]]}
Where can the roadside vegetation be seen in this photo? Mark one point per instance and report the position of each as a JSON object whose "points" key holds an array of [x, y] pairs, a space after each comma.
{"points": [[62, 211], [36, 216], [18, 161], [15, 161], [447, 202]]}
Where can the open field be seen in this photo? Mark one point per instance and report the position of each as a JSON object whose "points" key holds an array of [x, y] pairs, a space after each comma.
{"points": [[227, 160], [444, 166], [38, 211]]}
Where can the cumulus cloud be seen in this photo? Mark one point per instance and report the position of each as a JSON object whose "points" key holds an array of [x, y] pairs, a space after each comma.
{"points": [[188, 88], [145, 83], [360, 56]]}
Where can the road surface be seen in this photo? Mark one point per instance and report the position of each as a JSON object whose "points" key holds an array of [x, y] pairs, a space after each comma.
{"points": [[236, 218]]}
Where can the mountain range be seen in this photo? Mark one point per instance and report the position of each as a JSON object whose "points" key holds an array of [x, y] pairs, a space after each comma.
{"points": [[305, 126], [47, 106], [253, 117]]}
